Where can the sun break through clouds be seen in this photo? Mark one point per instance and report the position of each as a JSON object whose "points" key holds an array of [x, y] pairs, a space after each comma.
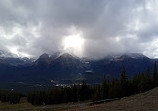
{"points": [[86, 28]]}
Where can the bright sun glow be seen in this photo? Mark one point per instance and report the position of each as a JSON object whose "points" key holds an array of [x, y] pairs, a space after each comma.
{"points": [[14, 50], [73, 44]]}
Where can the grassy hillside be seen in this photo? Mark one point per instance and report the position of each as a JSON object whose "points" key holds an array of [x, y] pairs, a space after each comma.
{"points": [[147, 101], [25, 106]]}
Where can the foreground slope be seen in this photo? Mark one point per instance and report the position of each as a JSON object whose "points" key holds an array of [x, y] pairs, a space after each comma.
{"points": [[147, 101]]}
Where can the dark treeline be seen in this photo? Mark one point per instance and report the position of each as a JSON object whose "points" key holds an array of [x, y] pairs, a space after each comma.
{"points": [[10, 96], [61, 95], [116, 88]]}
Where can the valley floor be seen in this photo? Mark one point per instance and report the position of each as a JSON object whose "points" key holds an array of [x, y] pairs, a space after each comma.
{"points": [[147, 101]]}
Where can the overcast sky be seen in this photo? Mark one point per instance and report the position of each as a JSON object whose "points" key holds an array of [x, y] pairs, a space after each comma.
{"points": [[33, 27]]}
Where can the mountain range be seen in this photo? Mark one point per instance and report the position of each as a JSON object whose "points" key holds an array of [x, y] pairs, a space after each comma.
{"points": [[68, 68]]}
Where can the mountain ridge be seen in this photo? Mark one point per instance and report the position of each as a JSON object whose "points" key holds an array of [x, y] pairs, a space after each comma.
{"points": [[64, 66]]}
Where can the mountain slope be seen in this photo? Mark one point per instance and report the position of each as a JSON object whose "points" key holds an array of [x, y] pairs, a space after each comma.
{"points": [[67, 67]]}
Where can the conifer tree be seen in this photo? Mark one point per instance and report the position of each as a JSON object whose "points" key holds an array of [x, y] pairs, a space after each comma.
{"points": [[98, 93], [75, 93], [83, 91], [148, 80], [124, 83], [148, 72], [155, 77], [104, 88]]}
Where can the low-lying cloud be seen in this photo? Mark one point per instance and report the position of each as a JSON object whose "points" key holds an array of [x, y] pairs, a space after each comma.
{"points": [[33, 27]]}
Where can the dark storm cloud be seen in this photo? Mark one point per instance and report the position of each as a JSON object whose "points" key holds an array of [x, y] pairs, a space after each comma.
{"points": [[108, 26]]}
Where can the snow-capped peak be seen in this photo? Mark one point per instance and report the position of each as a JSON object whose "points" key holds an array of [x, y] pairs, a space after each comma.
{"points": [[134, 55]]}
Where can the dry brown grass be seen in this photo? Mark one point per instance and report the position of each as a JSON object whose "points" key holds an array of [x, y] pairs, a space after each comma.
{"points": [[25, 106], [147, 101]]}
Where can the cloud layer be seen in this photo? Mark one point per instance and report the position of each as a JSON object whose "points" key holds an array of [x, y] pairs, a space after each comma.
{"points": [[33, 27]]}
